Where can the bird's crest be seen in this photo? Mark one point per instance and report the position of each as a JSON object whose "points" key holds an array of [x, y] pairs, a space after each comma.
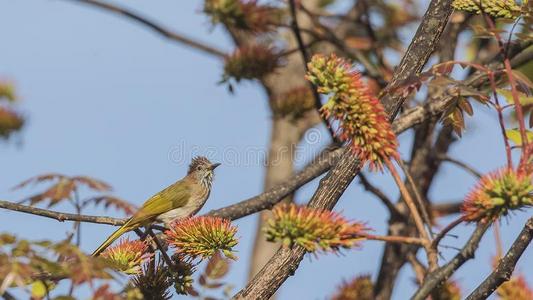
{"points": [[198, 161]]}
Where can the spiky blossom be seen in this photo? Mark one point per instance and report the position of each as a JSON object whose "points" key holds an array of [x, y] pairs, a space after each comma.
{"points": [[182, 275], [154, 281], [127, 256], [10, 121], [362, 119], [497, 193], [250, 62], [360, 288], [515, 289], [313, 229], [246, 15], [7, 91], [202, 237], [496, 8]]}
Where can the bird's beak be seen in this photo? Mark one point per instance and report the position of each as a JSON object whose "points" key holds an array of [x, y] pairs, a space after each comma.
{"points": [[213, 166]]}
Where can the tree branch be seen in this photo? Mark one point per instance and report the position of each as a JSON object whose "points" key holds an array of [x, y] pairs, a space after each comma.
{"points": [[461, 165], [286, 261], [436, 278], [506, 266], [369, 187], [274, 195], [269, 198], [60, 216], [447, 208], [174, 36]]}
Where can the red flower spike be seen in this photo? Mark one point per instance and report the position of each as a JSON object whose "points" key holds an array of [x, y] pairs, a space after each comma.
{"points": [[496, 194], [127, 256], [363, 122], [313, 229], [202, 237]]}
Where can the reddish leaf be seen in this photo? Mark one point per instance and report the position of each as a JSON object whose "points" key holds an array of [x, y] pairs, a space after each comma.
{"points": [[56, 193], [465, 106], [92, 183], [217, 266], [38, 179], [201, 280]]}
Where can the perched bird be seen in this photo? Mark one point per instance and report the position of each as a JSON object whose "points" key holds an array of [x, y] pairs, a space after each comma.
{"points": [[181, 199]]}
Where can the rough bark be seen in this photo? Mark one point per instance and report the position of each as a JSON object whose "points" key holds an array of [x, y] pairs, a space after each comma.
{"points": [[270, 278]]}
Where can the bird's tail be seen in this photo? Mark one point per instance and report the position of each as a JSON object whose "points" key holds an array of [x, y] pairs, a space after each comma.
{"points": [[123, 229]]}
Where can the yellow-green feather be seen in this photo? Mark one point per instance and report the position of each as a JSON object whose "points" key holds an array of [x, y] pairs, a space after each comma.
{"points": [[174, 196]]}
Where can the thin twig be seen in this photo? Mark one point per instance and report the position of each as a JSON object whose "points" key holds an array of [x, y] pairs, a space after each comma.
{"points": [[305, 56], [60, 216], [418, 267], [368, 186], [514, 92], [408, 200], [506, 266], [446, 208], [461, 164], [438, 276], [418, 197], [432, 255], [174, 36], [444, 232], [161, 248], [394, 239]]}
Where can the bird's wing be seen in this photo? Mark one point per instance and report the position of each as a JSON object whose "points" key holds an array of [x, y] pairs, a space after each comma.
{"points": [[174, 196]]}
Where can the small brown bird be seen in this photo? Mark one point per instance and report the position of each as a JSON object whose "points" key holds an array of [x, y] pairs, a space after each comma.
{"points": [[181, 199]]}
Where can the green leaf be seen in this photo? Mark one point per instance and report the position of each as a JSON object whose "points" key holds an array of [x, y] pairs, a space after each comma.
{"points": [[514, 135], [522, 98]]}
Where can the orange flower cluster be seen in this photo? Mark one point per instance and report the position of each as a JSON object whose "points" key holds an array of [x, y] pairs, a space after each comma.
{"points": [[127, 256], [313, 229], [496, 194], [360, 288], [515, 289], [10, 121], [202, 237], [362, 119], [497, 8], [250, 62], [246, 15]]}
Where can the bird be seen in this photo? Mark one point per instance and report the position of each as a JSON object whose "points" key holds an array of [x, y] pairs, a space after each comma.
{"points": [[181, 199]]}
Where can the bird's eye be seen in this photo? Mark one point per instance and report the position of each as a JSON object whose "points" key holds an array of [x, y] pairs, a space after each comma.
{"points": [[198, 168]]}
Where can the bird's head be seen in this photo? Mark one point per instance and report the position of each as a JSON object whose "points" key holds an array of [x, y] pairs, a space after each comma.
{"points": [[201, 169]]}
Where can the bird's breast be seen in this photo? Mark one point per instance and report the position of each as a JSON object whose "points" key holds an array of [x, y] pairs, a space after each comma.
{"points": [[195, 203]]}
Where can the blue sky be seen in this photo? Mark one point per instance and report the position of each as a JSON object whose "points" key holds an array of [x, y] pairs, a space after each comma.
{"points": [[109, 99]]}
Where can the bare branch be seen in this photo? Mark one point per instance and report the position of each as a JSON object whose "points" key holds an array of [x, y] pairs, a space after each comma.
{"points": [[305, 57], [274, 195], [269, 198], [460, 164], [394, 239], [506, 266], [379, 194], [434, 279], [445, 209], [174, 36], [60, 216], [286, 261]]}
